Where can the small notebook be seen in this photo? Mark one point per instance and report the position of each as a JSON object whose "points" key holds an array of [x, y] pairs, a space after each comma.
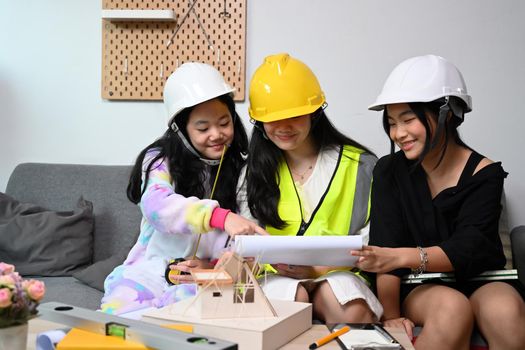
{"points": [[366, 336]]}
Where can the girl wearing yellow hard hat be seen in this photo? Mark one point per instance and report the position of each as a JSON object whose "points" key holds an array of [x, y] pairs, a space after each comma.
{"points": [[304, 177], [436, 208]]}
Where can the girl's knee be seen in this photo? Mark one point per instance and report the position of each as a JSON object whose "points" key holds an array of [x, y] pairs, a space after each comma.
{"points": [[358, 311], [451, 324], [451, 302], [355, 311], [440, 307], [301, 295], [457, 304], [455, 313], [498, 303]]}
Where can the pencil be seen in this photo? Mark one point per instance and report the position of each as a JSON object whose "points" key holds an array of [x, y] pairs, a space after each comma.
{"points": [[329, 337]]}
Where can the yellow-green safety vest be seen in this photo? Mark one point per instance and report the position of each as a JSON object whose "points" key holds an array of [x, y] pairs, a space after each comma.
{"points": [[344, 207]]}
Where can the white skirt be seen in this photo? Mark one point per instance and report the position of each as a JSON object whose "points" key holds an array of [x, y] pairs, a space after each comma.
{"points": [[345, 285]]}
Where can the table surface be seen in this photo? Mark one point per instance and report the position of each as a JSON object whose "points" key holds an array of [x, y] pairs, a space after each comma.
{"points": [[38, 325]]}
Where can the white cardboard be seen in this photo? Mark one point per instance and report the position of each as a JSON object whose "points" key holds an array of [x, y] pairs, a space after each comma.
{"points": [[257, 333]]}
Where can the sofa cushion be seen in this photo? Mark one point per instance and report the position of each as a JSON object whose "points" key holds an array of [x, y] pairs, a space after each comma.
{"points": [[58, 186], [68, 290], [94, 275], [43, 242]]}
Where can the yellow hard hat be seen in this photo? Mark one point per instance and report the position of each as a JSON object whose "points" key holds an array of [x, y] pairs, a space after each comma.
{"points": [[283, 87]]}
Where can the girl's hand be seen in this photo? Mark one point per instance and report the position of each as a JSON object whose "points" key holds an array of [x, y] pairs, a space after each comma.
{"points": [[401, 322], [238, 225], [377, 259], [187, 266], [295, 271]]}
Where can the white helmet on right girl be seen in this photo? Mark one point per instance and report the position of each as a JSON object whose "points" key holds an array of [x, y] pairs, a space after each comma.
{"points": [[424, 79]]}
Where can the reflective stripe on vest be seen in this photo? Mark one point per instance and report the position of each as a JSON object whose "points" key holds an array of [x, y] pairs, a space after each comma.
{"points": [[343, 208]]}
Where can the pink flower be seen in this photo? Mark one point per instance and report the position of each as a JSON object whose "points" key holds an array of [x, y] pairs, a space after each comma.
{"points": [[6, 268], [5, 297], [35, 289], [7, 281], [19, 298]]}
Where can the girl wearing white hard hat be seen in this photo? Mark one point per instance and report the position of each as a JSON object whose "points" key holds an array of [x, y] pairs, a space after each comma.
{"points": [[185, 184], [436, 208]]}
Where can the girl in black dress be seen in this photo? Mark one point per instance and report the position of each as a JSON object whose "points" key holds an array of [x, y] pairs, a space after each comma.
{"points": [[435, 208]]}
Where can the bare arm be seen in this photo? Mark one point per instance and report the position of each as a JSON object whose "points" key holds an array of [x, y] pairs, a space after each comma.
{"points": [[381, 260], [388, 292]]}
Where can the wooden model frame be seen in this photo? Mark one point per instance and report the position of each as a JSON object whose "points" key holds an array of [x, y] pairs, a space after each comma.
{"points": [[230, 290]]}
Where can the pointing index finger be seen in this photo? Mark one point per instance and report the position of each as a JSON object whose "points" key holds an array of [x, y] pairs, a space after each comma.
{"points": [[261, 231]]}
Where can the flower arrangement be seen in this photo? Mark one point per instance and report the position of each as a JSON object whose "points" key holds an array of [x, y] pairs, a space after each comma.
{"points": [[19, 298]]}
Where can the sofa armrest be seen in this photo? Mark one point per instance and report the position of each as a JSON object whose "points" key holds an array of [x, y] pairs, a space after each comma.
{"points": [[517, 239]]}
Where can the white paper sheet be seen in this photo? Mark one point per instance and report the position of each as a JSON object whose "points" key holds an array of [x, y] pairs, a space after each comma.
{"points": [[300, 250], [364, 336]]}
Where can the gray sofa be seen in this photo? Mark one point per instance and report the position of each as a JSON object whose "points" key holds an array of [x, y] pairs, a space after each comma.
{"points": [[116, 219]]}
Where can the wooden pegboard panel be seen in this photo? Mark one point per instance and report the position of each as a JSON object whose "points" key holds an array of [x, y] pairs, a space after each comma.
{"points": [[136, 60]]}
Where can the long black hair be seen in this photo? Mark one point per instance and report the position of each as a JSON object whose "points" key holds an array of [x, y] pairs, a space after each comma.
{"points": [[448, 128], [188, 173], [262, 186]]}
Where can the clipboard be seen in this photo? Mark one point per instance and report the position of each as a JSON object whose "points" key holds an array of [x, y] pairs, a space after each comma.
{"points": [[493, 275], [365, 336]]}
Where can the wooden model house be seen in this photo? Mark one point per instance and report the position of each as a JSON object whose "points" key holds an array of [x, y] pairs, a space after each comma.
{"points": [[230, 290]]}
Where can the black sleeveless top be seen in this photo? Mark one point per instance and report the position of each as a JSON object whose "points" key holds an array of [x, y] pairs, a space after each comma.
{"points": [[462, 220]]}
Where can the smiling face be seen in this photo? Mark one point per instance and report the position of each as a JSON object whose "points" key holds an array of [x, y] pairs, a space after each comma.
{"points": [[289, 134], [210, 127], [406, 130]]}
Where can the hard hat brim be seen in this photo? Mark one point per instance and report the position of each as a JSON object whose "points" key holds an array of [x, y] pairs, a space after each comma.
{"points": [[195, 102], [381, 102], [285, 114]]}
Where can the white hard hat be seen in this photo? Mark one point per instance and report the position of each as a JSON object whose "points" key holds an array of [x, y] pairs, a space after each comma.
{"points": [[423, 79], [190, 84]]}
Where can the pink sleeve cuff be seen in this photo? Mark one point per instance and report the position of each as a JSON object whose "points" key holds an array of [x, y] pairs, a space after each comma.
{"points": [[218, 217]]}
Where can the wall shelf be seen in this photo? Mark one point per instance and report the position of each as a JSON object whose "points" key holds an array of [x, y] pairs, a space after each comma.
{"points": [[139, 15]]}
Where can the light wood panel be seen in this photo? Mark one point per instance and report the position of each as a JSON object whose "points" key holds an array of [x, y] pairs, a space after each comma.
{"points": [[136, 57]]}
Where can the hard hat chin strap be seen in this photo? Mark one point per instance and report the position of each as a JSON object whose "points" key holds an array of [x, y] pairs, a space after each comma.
{"points": [[190, 148], [457, 108], [442, 117], [450, 104]]}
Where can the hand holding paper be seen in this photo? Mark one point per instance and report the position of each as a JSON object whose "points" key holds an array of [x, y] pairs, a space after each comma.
{"points": [[377, 259]]}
